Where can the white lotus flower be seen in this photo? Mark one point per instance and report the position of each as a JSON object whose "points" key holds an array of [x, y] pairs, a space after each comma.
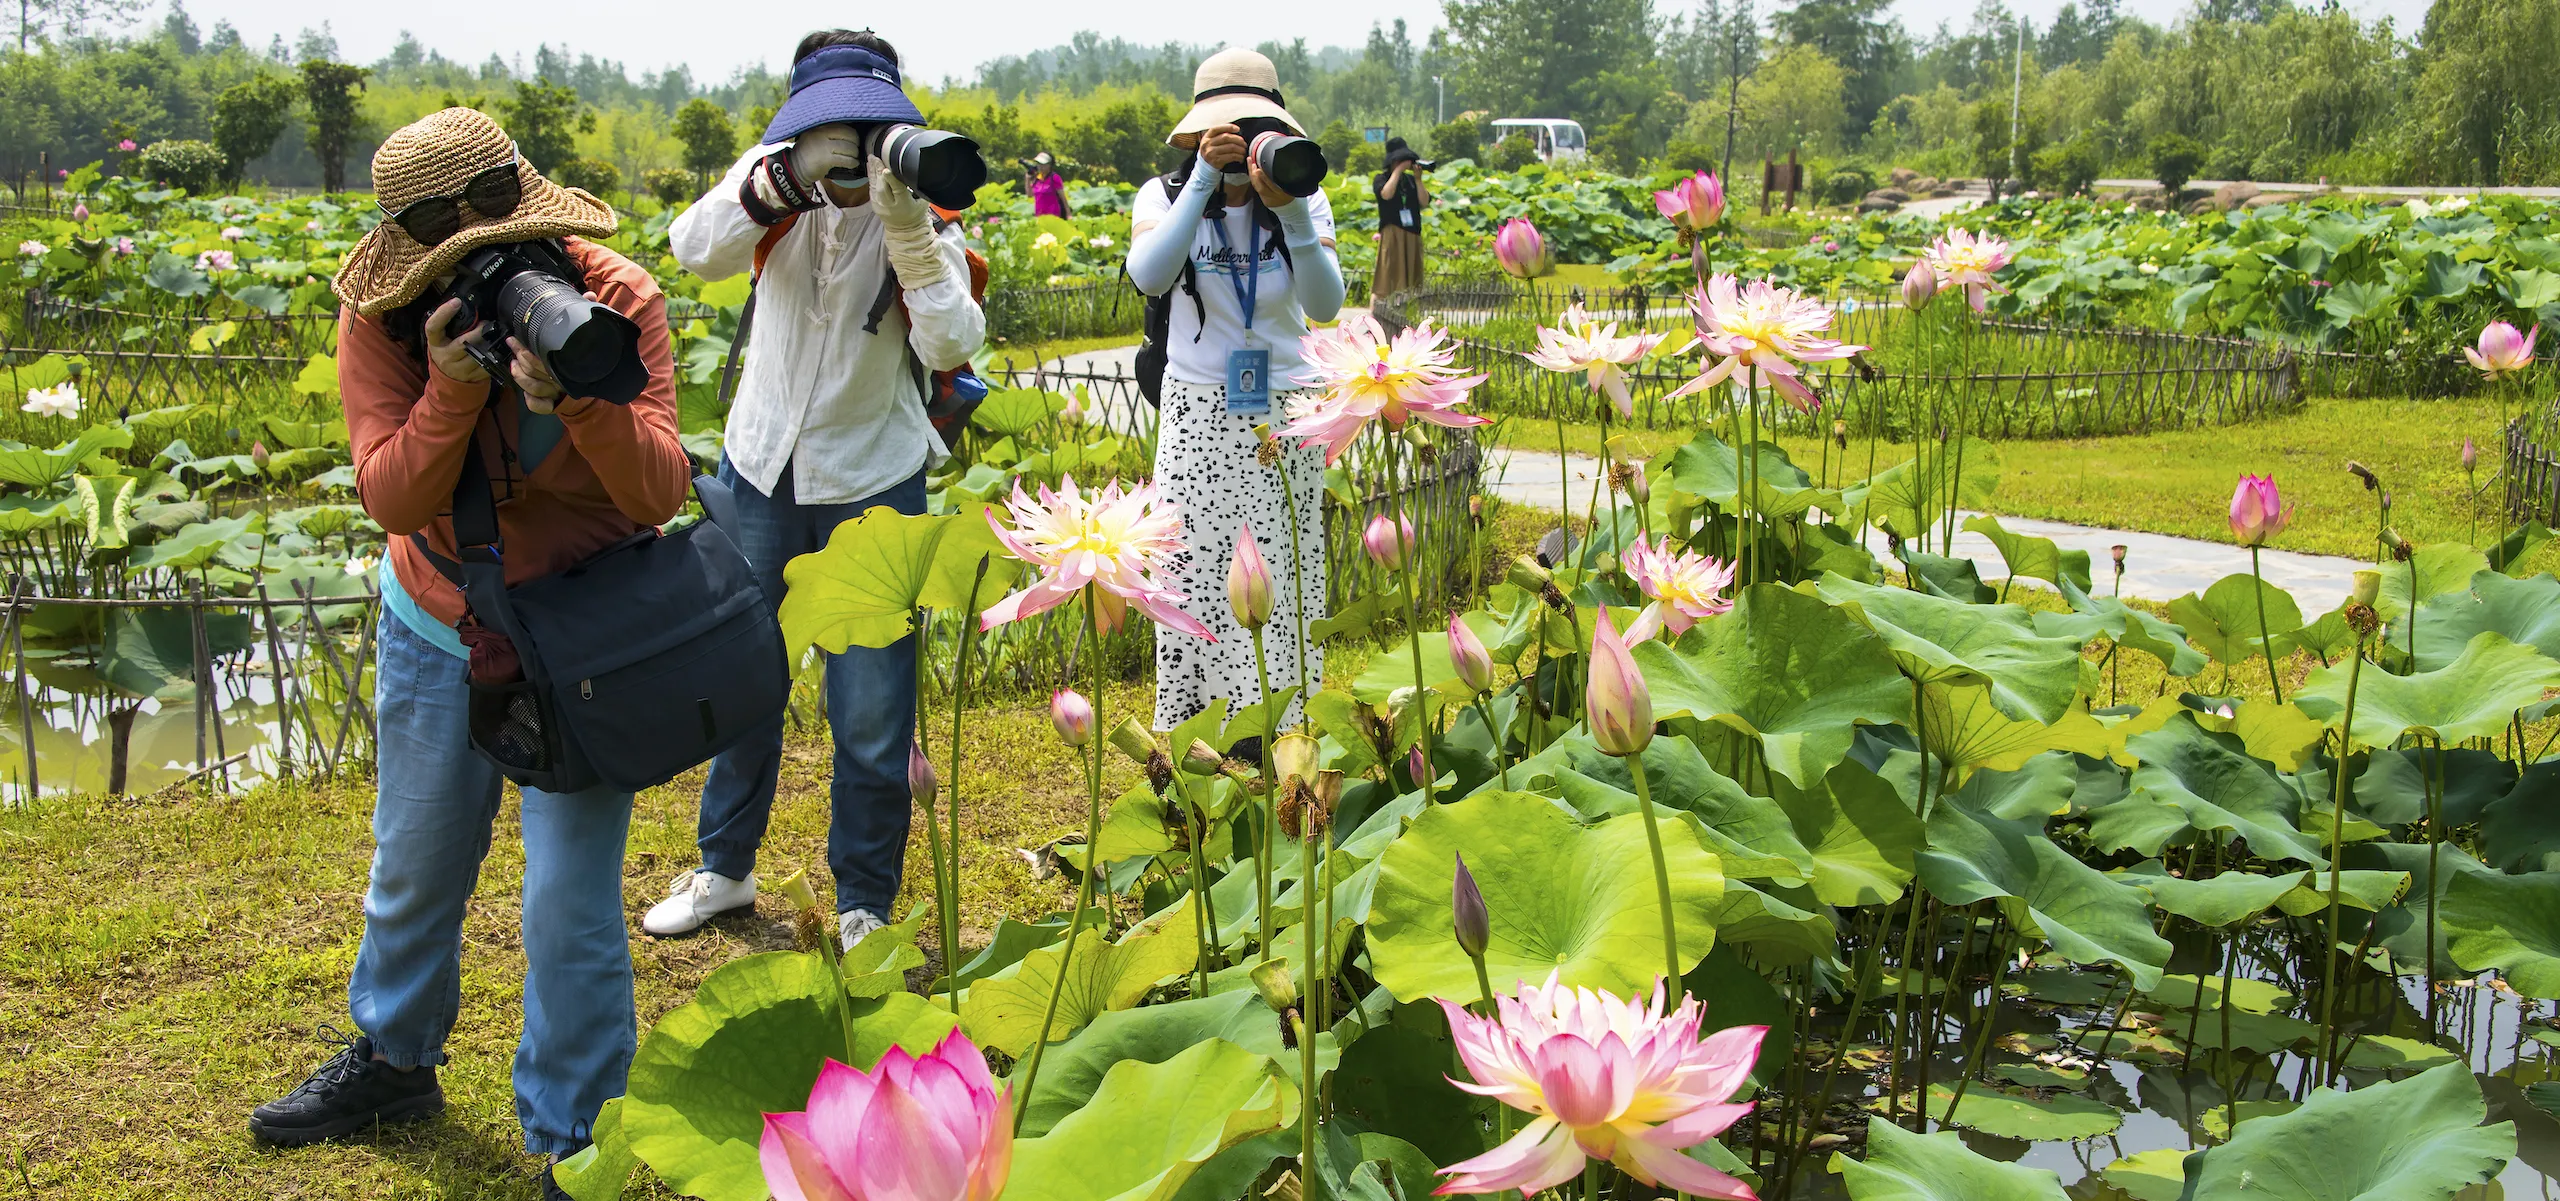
{"points": [[60, 400]]}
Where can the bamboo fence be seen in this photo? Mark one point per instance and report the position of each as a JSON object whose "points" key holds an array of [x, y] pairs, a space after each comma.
{"points": [[2533, 467]]}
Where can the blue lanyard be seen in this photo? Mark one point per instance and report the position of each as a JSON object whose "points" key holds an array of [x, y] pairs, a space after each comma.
{"points": [[1249, 292]]}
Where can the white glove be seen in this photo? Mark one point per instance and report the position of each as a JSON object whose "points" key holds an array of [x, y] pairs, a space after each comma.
{"points": [[908, 223], [825, 149]]}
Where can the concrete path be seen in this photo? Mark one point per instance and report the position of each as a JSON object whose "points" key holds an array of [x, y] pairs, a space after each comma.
{"points": [[2377, 190], [2157, 566]]}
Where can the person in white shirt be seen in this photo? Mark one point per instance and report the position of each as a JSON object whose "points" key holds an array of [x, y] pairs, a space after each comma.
{"points": [[1246, 265], [829, 421]]}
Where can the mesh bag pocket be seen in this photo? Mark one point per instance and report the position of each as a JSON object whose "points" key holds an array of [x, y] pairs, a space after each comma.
{"points": [[514, 725]]}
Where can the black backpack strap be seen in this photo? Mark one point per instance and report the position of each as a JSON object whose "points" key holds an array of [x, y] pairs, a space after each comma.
{"points": [[481, 572], [888, 295]]}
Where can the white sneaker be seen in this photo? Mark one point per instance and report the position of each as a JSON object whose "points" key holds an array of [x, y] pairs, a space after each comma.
{"points": [[697, 897], [857, 924]]}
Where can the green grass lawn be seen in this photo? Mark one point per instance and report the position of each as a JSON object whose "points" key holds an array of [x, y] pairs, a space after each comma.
{"points": [[2180, 481]]}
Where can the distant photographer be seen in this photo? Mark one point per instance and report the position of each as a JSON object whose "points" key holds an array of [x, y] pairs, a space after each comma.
{"points": [[861, 295], [1401, 199], [1236, 250], [464, 310]]}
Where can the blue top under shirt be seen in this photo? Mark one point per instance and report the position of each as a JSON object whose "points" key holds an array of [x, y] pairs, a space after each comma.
{"points": [[536, 435]]}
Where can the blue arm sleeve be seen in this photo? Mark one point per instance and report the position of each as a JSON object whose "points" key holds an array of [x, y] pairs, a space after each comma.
{"points": [[1156, 256], [1315, 273]]}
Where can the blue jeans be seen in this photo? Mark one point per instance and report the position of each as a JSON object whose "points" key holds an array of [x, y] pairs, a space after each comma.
{"points": [[433, 811], [871, 710]]}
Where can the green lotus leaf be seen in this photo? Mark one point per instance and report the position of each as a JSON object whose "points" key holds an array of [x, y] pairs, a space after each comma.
{"points": [[1781, 925], [1954, 579], [2032, 677], [2224, 621], [1751, 835], [2217, 900], [2328, 636], [1392, 667], [2401, 929], [1395, 1076], [2509, 923], [1785, 669], [600, 1172], [1710, 468], [1005, 1010], [106, 509], [301, 435], [2439, 568], [1967, 731], [23, 515], [1860, 833], [1902, 1166], [2522, 829], [1071, 1071], [2152, 1175], [2024, 1116], [2192, 779], [2129, 627], [192, 547], [43, 468], [2040, 788], [1151, 1125], [1574, 900], [2393, 1053], [2088, 916], [2418, 1139], [2365, 889], [863, 588], [2180, 990], [2526, 611], [152, 652], [2032, 557], [1010, 411], [2471, 697], [2283, 735], [2515, 551], [750, 1043]]}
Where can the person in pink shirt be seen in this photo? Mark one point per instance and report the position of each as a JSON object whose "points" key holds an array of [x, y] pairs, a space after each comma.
{"points": [[1048, 189]]}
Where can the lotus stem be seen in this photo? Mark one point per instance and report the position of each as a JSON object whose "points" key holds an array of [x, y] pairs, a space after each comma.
{"points": [[2434, 784], [1661, 875], [2266, 643], [2337, 847], [1306, 1030], [1839, 1051], [1092, 867], [1412, 625], [1269, 812], [959, 681], [1501, 755], [1982, 1035]]}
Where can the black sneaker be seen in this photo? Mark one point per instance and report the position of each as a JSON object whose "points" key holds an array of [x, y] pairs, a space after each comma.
{"points": [[351, 1092], [551, 1190]]}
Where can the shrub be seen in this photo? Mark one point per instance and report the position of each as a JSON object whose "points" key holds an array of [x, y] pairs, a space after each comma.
{"points": [[591, 175], [181, 163], [1847, 185], [1511, 153], [2174, 159], [670, 185], [1461, 138], [1687, 157], [1364, 159], [2070, 167]]}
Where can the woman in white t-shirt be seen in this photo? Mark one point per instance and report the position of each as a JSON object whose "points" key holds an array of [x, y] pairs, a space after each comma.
{"points": [[1252, 264]]}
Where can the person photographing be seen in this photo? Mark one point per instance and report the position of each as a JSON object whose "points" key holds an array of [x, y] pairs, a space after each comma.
{"points": [[860, 295], [1243, 261], [1401, 198]]}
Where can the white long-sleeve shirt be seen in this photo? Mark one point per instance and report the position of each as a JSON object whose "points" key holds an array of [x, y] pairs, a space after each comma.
{"points": [[836, 405]]}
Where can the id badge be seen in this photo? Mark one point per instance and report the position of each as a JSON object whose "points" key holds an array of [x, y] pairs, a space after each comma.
{"points": [[1249, 383]]}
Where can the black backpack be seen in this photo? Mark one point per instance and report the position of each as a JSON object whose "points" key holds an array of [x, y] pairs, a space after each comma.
{"points": [[1156, 324], [630, 668]]}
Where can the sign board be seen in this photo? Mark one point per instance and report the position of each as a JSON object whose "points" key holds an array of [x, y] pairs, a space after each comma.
{"points": [[1374, 135]]}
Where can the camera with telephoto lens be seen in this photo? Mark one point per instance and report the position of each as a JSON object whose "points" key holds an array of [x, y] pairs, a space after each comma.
{"points": [[526, 290], [943, 167], [1295, 164]]}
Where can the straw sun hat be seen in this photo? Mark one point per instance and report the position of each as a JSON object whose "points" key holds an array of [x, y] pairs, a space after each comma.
{"points": [[1231, 85], [435, 156]]}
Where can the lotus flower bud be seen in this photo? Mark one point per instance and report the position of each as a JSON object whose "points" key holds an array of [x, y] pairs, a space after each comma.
{"points": [[2258, 511], [2470, 455], [1639, 485], [922, 783], [1296, 756], [2118, 552], [2386, 502], [1619, 704], [1201, 759], [1693, 204], [1417, 766], [1073, 716], [1278, 987], [1389, 541], [1468, 919], [258, 455], [1249, 582], [1521, 250], [1468, 655], [1919, 285], [80, 211]]}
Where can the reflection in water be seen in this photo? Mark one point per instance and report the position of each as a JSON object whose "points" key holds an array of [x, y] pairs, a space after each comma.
{"points": [[74, 752]]}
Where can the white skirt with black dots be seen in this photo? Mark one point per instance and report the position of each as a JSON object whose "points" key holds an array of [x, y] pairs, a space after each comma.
{"points": [[1205, 463]]}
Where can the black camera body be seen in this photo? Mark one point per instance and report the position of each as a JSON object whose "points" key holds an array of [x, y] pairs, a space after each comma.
{"points": [[944, 167], [530, 292], [1295, 164]]}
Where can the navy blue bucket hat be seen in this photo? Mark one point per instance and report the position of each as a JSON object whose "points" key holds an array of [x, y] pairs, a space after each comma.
{"points": [[841, 83]]}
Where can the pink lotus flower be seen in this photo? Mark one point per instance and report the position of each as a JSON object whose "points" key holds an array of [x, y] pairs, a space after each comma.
{"points": [[1683, 585], [1072, 715], [1368, 378], [125, 145], [2258, 511], [1521, 250], [1963, 260], [1389, 541], [80, 211], [1249, 582], [1919, 285], [1597, 351], [1766, 329], [216, 260], [1113, 540], [913, 1129], [2502, 349], [31, 248], [1468, 655], [1830, 247], [1608, 1079], [124, 246], [1617, 703], [233, 233], [1694, 203]]}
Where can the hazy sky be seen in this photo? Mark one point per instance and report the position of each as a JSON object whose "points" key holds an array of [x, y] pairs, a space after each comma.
{"points": [[935, 39]]}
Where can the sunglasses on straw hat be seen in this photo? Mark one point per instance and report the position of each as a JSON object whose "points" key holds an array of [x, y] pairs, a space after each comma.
{"points": [[493, 194]]}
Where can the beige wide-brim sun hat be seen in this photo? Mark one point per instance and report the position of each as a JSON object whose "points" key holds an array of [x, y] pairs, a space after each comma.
{"points": [[1231, 85], [435, 156]]}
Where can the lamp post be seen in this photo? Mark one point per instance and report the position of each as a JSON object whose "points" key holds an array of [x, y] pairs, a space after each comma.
{"points": [[2017, 89], [1442, 111]]}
